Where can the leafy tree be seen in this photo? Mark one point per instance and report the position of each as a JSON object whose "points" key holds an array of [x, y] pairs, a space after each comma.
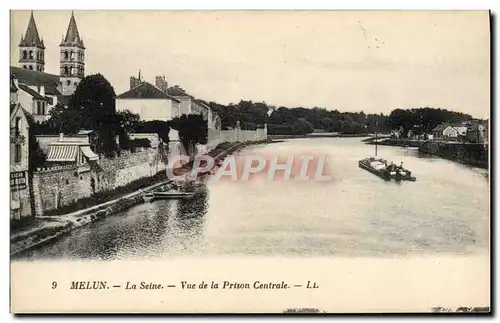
{"points": [[129, 121], [93, 106], [36, 155], [192, 130], [161, 128]]}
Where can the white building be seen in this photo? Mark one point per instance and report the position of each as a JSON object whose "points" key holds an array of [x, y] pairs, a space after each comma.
{"points": [[454, 131], [149, 102]]}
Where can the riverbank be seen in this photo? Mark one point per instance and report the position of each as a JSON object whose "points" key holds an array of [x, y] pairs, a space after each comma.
{"points": [[471, 154], [318, 135], [48, 227]]}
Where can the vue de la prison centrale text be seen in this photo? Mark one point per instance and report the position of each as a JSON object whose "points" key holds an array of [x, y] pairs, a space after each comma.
{"points": [[188, 285]]}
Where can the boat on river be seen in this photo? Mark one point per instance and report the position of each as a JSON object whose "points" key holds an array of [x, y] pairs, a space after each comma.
{"points": [[385, 170]]}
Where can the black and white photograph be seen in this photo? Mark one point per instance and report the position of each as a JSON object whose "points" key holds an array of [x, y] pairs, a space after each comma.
{"points": [[151, 136]]}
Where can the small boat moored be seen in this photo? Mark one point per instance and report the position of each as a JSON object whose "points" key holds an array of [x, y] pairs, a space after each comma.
{"points": [[173, 195], [148, 197]]}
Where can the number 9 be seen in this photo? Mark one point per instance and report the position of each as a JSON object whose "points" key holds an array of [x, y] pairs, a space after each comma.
{"points": [[54, 285]]}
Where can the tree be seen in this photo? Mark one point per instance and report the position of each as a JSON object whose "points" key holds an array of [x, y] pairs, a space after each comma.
{"points": [[161, 128], [129, 121], [192, 130], [36, 155], [93, 106], [63, 120]]}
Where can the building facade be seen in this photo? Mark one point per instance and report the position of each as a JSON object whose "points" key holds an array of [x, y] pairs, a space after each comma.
{"points": [[37, 91], [72, 59], [149, 102], [20, 122]]}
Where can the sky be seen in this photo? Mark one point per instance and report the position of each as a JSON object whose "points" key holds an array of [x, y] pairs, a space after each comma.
{"points": [[371, 61]]}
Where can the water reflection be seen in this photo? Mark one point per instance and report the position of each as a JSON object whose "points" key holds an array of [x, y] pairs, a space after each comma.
{"points": [[149, 229]]}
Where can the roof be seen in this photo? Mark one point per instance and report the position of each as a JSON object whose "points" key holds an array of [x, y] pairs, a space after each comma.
{"points": [[203, 104], [31, 38], [29, 117], [176, 91], [72, 36], [441, 127], [85, 132], [145, 90], [29, 77], [13, 87], [63, 99], [33, 93], [14, 107]]}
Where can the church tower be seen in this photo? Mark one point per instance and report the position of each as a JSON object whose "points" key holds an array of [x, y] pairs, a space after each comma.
{"points": [[72, 59], [31, 49]]}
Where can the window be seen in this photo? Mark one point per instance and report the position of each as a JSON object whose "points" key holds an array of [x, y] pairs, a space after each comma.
{"points": [[43, 108], [76, 84], [17, 153], [65, 70], [31, 54], [68, 82], [66, 55], [25, 54], [38, 107], [31, 67], [18, 125], [24, 66], [37, 55]]}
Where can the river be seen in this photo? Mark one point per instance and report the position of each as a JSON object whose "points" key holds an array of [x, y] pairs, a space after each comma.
{"points": [[446, 211]]}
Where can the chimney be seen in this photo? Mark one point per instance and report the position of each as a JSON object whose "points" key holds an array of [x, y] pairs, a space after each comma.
{"points": [[61, 136], [161, 83], [134, 81], [42, 90]]}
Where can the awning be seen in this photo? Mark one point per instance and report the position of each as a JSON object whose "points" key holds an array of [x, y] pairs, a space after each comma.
{"points": [[62, 153], [89, 153]]}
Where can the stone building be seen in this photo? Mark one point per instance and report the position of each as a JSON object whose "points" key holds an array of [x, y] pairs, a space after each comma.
{"points": [[38, 91], [20, 122]]}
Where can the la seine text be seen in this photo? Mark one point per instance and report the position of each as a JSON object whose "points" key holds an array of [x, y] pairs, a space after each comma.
{"points": [[106, 285]]}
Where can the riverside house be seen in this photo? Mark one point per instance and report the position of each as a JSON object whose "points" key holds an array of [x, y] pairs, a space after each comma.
{"points": [[148, 101], [449, 132]]}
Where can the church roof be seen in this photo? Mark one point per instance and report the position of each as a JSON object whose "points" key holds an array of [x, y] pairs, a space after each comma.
{"points": [[145, 90], [34, 78], [31, 38], [72, 36]]}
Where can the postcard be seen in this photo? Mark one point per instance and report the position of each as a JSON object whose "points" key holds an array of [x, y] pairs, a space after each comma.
{"points": [[275, 162]]}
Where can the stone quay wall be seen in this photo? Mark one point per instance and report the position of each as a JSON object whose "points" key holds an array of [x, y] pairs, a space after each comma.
{"points": [[63, 185], [58, 186]]}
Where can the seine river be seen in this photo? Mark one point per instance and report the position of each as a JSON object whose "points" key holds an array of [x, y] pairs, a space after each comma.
{"points": [[446, 211]]}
